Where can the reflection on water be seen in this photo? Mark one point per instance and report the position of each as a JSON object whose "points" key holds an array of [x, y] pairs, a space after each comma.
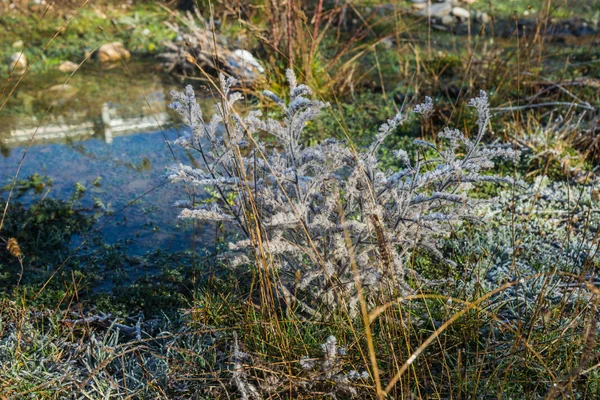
{"points": [[70, 129], [114, 174], [110, 137], [94, 102]]}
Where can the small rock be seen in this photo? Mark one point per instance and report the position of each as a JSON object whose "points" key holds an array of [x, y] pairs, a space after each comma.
{"points": [[482, 17], [461, 13], [388, 43], [18, 44], [448, 20], [244, 59], [61, 88], [435, 10], [67, 66], [112, 52], [62, 92], [469, 2], [18, 62], [418, 6]]}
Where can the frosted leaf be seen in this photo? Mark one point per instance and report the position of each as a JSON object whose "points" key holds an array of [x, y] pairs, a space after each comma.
{"points": [[227, 83], [291, 78], [386, 129], [183, 204], [301, 90], [298, 104], [306, 363], [424, 143], [425, 109], [273, 97], [402, 155], [207, 213], [330, 347], [240, 260], [482, 105]]}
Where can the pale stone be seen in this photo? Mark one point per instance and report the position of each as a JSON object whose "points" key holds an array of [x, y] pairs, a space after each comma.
{"points": [[244, 59], [67, 66], [18, 44], [112, 52], [18, 61], [388, 43], [482, 17], [65, 88], [461, 13], [436, 10], [448, 20], [63, 92]]}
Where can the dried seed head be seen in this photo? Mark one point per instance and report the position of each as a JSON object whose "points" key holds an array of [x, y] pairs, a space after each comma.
{"points": [[190, 58], [13, 248], [592, 288]]}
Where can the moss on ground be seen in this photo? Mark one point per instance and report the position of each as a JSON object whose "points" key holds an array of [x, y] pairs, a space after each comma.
{"points": [[140, 27]]}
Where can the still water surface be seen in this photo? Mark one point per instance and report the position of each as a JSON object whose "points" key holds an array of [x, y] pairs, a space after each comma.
{"points": [[108, 134]]}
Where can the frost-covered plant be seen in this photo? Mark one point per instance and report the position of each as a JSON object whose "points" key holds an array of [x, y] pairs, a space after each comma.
{"points": [[327, 217], [542, 228], [329, 369], [425, 109], [239, 376]]}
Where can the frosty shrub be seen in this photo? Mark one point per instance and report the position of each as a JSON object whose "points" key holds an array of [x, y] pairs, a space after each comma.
{"points": [[326, 218], [544, 227], [327, 375]]}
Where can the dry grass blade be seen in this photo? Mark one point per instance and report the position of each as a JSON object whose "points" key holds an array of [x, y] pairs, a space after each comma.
{"points": [[445, 326], [588, 351]]}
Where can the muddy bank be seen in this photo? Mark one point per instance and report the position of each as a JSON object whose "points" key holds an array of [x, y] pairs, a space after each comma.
{"points": [[523, 27]]}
